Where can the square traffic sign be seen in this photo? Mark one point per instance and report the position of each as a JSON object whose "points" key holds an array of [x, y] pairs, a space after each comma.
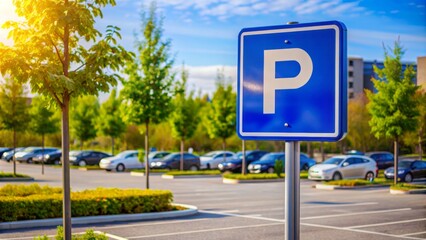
{"points": [[292, 82]]}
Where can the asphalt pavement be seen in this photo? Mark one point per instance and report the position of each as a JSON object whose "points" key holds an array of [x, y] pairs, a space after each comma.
{"points": [[244, 211]]}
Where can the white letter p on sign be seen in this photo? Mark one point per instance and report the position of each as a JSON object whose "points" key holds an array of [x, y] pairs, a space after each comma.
{"points": [[270, 83]]}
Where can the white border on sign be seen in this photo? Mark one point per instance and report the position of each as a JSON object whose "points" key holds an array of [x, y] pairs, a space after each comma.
{"points": [[337, 85]]}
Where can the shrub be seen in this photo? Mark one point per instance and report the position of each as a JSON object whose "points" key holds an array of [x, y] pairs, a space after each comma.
{"points": [[35, 202], [357, 182], [279, 167], [190, 173], [88, 235]]}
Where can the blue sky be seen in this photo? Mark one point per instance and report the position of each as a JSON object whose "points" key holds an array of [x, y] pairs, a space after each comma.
{"points": [[204, 33]]}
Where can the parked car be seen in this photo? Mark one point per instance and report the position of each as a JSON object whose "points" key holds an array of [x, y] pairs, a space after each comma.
{"points": [[8, 156], [49, 158], [3, 150], [172, 161], [267, 162], [408, 170], [235, 165], [27, 154], [154, 156], [344, 167], [122, 161], [383, 159], [211, 160], [87, 157]]}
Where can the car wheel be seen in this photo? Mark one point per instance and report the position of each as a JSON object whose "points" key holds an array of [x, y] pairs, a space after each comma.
{"points": [[270, 170], [193, 168], [57, 162], [30, 160], [120, 168], [408, 177], [82, 163], [305, 167], [369, 176], [337, 176], [208, 166]]}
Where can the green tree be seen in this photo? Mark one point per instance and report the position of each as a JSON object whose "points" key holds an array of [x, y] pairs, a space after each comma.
{"points": [[43, 121], [58, 50], [147, 92], [394, 109], [83, 118], [184, 118], [14, 114], [220, 116], [109, 122]]}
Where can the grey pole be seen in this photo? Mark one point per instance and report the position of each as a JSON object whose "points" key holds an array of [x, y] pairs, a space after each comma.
{"points": [[292, 190]]}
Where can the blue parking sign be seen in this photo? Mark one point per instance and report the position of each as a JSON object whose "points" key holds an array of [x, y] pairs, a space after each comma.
{"points": [[292, 82]]}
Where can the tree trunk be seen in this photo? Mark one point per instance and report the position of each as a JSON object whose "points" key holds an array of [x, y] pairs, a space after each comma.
{"points": [[182, 145], [146, 153], [420, 144], [42, 154], [395, 161], [112, 145], [243, 150], [14, 150], [66, 168], [322, 152]]}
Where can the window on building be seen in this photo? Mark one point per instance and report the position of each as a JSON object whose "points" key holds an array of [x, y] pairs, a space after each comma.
{"points": [[351, 85], [351, 62], [351, 74]]}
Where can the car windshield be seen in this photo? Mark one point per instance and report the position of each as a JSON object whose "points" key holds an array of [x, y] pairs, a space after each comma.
{"points": [[210, 154], [404, 164], [124, 154], [271, 157], [169, 157], [75, 153], [30, 149], [335, 161]]}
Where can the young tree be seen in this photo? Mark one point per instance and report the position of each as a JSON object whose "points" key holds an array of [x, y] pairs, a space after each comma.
{"points": [[109, 122], [83, 118], [43, 121], [58, 50], [14, 114], [147, 92], [184, 118], [393, 108], [220, 116]]}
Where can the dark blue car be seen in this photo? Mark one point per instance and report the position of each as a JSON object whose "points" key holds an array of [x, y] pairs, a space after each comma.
{"points": [[235, 165], [408, 170], [267, 162]]}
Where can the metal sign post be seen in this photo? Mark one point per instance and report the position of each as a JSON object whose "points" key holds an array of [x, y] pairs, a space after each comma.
{"points": [[292, 190]]}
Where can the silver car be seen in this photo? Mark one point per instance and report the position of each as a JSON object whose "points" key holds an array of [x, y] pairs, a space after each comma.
{"points": [[344, 167], [211, 160]]}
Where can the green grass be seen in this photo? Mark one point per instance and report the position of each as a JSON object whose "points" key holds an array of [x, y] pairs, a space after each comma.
{"points": [[407, 186], [359, 182], [193, 173], [10, 175]]}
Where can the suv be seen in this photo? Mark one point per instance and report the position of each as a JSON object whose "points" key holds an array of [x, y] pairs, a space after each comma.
{"points": [[235, 165], [383, 159]]}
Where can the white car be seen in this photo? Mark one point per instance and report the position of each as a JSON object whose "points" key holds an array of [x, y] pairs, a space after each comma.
{"points": [[344, 167], [211, 160], [122, 161]]}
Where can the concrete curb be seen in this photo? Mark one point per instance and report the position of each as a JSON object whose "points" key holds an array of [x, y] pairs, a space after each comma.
{"points": [[237, 181], [191, 210], [413, 191], [165, 176], [7, 179], [337, 187], [142, 174]]}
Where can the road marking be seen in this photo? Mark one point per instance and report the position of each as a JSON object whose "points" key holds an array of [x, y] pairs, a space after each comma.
{"points": [[410, 234], [387, 223], [153, 224], [111, 236], [357, 213], [361, 231], [245, 216], [205, 230], [339, 205]]}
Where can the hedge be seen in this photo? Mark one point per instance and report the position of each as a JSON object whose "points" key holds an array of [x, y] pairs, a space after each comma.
{"points": [[254, 176], [47, 202], [358, 182]]}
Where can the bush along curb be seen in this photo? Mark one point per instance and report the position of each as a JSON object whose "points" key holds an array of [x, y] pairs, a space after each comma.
{"points": [[189, 211]]}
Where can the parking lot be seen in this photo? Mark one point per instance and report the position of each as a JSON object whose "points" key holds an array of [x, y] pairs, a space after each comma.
{"points": [[246, 211]]}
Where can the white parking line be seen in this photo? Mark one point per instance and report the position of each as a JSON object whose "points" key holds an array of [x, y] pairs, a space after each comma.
{"points": [[257, 217], [412, 234], [152, 224], [204, 230], [387, 223], [338, 205], [356, 213], [361, 231], [111, 236]]}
